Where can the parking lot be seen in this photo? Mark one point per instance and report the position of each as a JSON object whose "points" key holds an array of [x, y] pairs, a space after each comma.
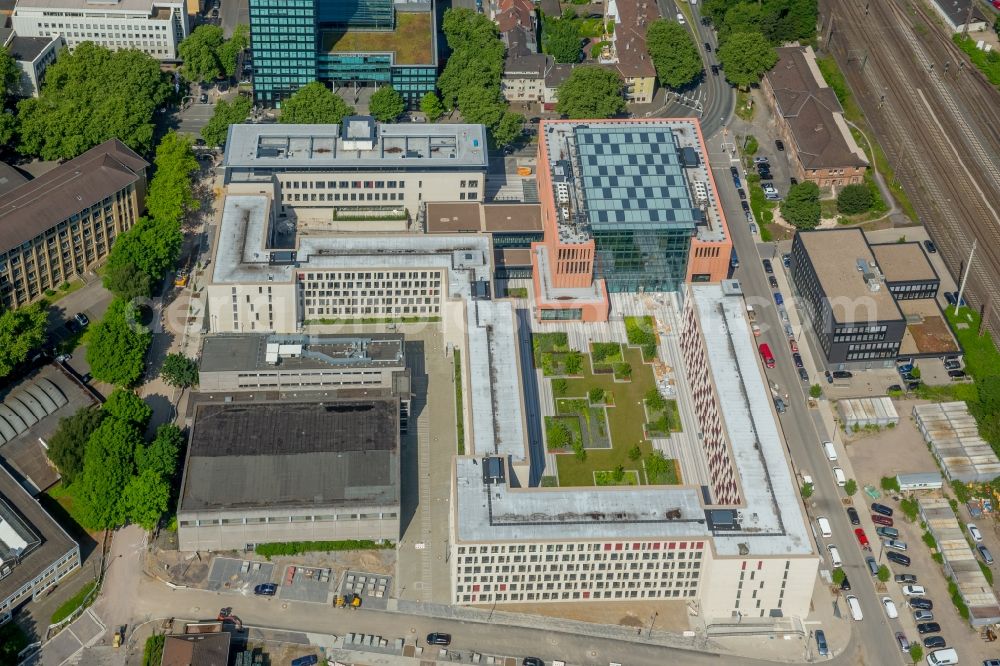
{"points": [[306, 584], [374, 589], [232, 575], [901, 450]]}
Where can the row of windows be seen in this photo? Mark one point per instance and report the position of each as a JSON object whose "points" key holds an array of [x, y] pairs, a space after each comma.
{"points": [[407, 275], [575, 595], [355, 196], [694, 547], [666, 557], [102, 26], [355, 311], [271, 520]]}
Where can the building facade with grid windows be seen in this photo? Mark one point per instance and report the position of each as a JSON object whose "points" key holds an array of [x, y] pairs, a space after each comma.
{"points": [[63, 223], [154, 27]]}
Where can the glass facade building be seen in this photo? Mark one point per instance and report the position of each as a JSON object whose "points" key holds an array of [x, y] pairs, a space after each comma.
{"points": [[637, 205], [292, 46]]}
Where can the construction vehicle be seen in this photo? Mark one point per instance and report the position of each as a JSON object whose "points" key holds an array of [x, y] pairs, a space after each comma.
{"points": [[523, 171], [226, 615], [119, 637], [348, 601]]}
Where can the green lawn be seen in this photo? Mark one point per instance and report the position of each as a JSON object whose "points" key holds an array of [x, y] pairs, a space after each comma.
{"points": [[411, 41], [66, 504], [73, 603], [625, 421], [987, 63], [981, 356]]}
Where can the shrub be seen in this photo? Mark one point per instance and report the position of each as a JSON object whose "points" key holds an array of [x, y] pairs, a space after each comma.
{"points": [[838, 576], [929, 540], [596, 395], [910, 508], [152, 654], [640, 331], [956, 598], [889, 484], [605, 350], [655, 400], [559, 387], [854, 199], [634, 453], [619, 474], [806, 490], [883, 573], [573, 363], [557, 434], [916, 652], [622, 370], [269, 550], [851, 487], [962, 493]]}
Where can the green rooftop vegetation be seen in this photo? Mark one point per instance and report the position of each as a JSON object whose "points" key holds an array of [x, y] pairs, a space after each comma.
{"points": [[412, 40]]}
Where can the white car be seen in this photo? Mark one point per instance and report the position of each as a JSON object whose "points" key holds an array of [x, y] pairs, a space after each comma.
{"points": [[890, 608], [974, 531], [835, 556], [913, 590]]}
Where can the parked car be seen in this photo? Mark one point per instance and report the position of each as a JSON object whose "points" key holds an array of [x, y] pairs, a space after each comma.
{"points": [[928, 628], [793, 181], [768, 266], [913, 590], [952, 365], [894, 387], [912, 386], [743, 193], [532, 661], [935, 642], [266, 590], [82, 319], [772, 281], [804, 375], [921, 615], [984, 553], [898, 558], [760, 160], [890, 608], [881, 509], [921, 603], [786, 260], [974, 531], [779, 144], [956, 374], [778, 298], [852, 515], [845, 585], [895, 544], [439, 638], [908, 579], [902, 642], [72, 326], [779, 405], [307, 660], [881, 520], [930, 247], [745, 206], [797, 359], [872, 565], [715, 70], [204, 98], [904, 369], [842, 374], [822, 649], [889, 533], [862, 539]]}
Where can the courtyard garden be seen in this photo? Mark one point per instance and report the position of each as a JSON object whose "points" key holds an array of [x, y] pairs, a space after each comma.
{"points": [[606, 409]]}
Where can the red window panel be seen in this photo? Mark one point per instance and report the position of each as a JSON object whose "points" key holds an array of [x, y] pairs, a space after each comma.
{"points": [[743, 565], [656, 546], [760, 564], [635, 546], [618, 546]]}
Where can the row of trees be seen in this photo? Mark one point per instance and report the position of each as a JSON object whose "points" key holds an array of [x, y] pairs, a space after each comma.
{"points": [[116, 475], [779, 21], [208, 55], [471, 79]]}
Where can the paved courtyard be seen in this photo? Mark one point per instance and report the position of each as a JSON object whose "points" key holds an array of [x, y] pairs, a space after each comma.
{"points": [[306, 584], [232, 575]]}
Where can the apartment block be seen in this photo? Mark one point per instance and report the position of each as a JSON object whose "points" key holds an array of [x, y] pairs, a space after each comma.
{"points": [[33, 56], [360, 175], [627, 206], [626, 50], [64, 222], [155, 27]]}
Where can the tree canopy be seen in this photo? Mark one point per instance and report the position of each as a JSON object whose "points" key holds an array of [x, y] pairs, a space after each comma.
{"points": [[561, 37], [141, 256], [10, 75], [386, 104], [200, 53], [431, 106], [225, 114], [67, 446], [118, 343], [125, 405], [21, 330], [161, 455], [178, 370], [92, 95], [779, 20], [314, 104], [108, 465], [170, 194], [230, 50], [674, 54], [509, 129], [591, 92], [854, 199], [145, 499], [745, 57], [801, 207]]}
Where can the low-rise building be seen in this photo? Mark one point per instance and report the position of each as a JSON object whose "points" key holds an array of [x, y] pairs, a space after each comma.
{"points": [[33, 56], [35, 552], [207, 646], [961, 15], [63, 223], [512, 229], [811, 121], [296, 470], [155, 27], [359, 175], [626, 47], [908, 272]]}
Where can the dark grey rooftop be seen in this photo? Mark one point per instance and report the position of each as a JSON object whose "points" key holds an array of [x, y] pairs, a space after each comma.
{"points": [[10, 178], [221, 353], [296, 454], [26, 49]]}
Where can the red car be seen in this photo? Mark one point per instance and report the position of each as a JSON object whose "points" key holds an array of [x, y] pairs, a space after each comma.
{"points": [[881, 520], [792, 343], [862, 539]]}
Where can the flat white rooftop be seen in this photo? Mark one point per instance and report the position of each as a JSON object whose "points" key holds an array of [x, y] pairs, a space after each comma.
{"points": [[396, 146]]}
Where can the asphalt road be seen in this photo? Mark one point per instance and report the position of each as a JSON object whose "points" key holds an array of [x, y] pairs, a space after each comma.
{"points": [[803, 434]]}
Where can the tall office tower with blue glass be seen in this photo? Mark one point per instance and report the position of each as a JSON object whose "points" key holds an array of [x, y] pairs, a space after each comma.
{"points": [[342, 43]]}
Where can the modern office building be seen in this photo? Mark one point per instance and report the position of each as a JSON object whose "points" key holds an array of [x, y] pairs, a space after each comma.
{"points": [[855, 318], [275, 471], [33, 56], [908, 272], [818, 141], [63, 223], [343, 43], [155, 27], [512, 229], [360, 175], [627, 206], [35, 552], [738, 548]]}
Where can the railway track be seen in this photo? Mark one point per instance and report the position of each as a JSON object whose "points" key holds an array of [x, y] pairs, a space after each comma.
{"points": [[936, 124]]}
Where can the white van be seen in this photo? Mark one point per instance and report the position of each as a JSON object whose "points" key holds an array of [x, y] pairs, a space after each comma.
{"points": [[840, 476], [943, 657], [855, 606], [824, 527], [834, 555], [831, 453]]}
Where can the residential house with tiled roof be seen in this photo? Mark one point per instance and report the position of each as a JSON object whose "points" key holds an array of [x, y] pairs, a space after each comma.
{"points": [[626, 49]]}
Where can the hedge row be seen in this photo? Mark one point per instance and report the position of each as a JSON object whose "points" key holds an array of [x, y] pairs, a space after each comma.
{"points": [[270, 550]]}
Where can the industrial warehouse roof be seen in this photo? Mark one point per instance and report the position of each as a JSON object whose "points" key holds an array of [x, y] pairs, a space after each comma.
{"points": [[400, 146], [954, 438], [220, 353], [284, 454], [39, 204]]}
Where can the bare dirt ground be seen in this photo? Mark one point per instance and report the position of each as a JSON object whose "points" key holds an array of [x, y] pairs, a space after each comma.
{"points": [[665, 615]]}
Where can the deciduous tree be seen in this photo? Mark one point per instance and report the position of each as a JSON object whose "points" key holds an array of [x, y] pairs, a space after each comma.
{"points": [[674, 54], [178, 370], [509, 129], [230, 50], [161, 455], [92, 95], [108, 465], [9, 74], [21, 330], [145, 499], [386, 104], [200, 53], [118, 344], [171, 195], [226, 114], [591, 92], [801, 207], [430, 105], [150, 247], [561, 37], [854, 199], [314, 104], [68, 446], [745, 57], [124, 404], [126, 280]]}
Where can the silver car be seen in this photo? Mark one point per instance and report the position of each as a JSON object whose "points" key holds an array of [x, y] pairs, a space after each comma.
{"points": [[923, 615]]}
